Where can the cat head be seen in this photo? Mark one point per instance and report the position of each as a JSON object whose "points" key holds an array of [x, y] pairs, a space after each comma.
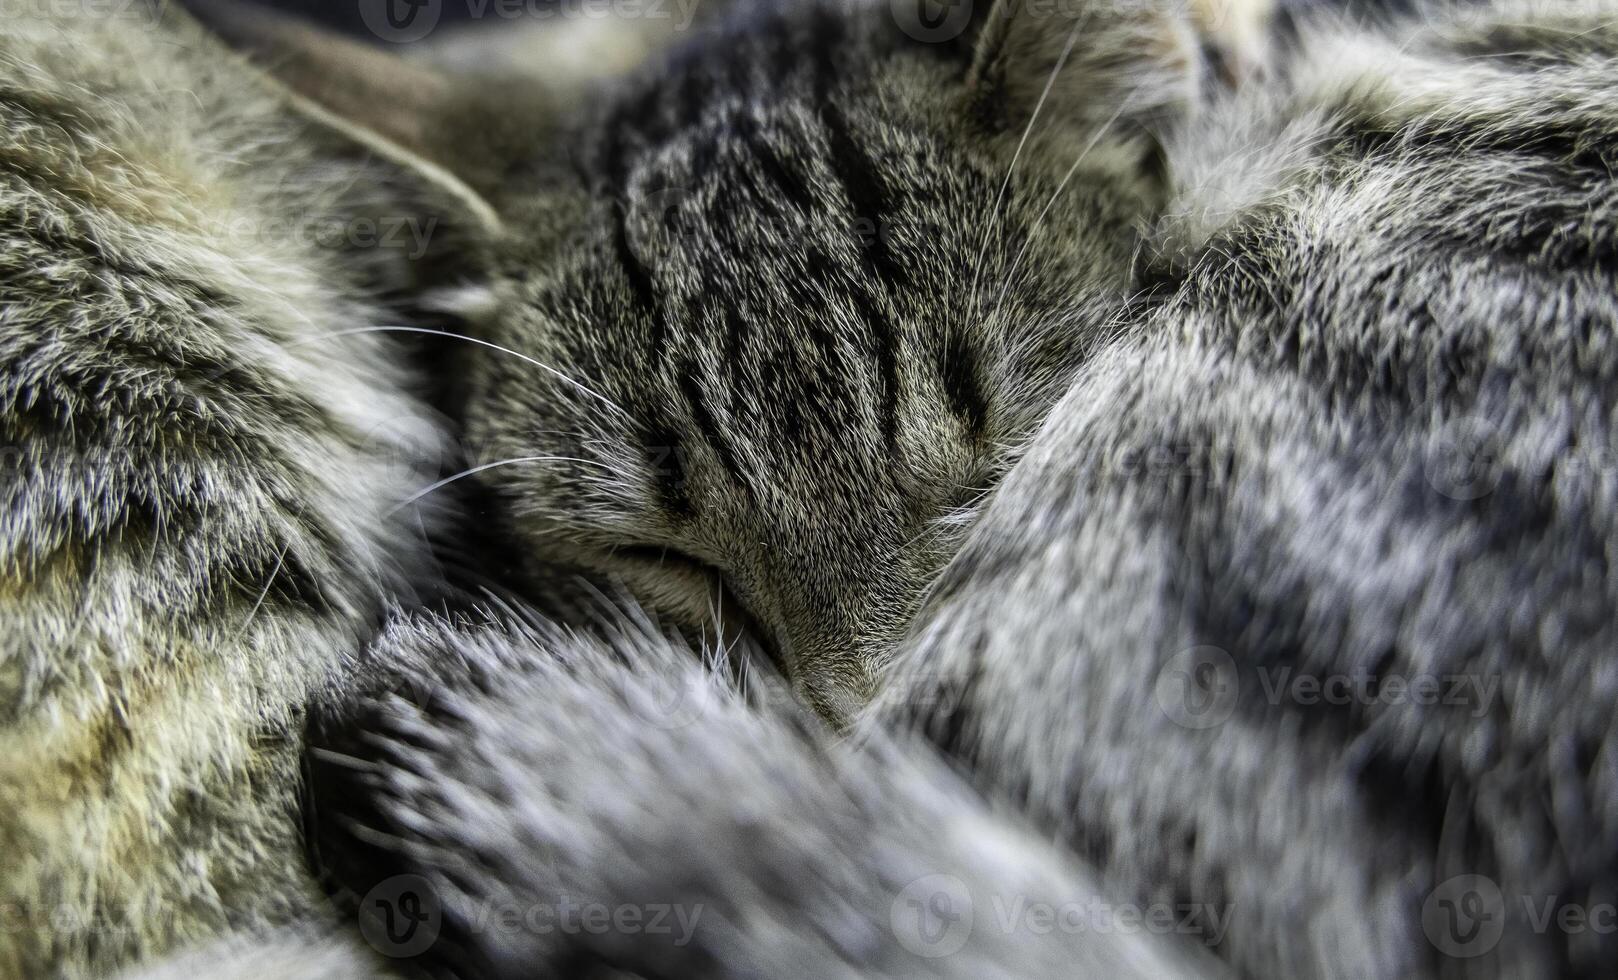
{"points": [[765, 318]]}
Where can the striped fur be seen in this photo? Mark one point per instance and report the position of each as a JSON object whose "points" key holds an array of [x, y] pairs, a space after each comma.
{"points": [[1363, 434], [806, 334], [808, 338], [195, 536], [1281, 365]]}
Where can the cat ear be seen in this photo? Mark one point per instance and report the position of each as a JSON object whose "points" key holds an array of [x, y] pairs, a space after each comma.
{"points": [[387, 106], [1126, 69], [458, 111]]}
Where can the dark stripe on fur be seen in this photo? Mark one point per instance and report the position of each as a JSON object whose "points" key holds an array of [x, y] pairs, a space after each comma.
{"points": [[958, 371], [666, 452], [882, 347], [864, 189], [709, 427], [772, 166], [639, 278]]}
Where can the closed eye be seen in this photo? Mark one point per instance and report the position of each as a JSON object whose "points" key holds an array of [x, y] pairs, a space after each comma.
{"points": [[716, 597]]}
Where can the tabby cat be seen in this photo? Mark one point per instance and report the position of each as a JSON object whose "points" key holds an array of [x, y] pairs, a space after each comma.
{"points": [[1032, 396], [200, 460]]}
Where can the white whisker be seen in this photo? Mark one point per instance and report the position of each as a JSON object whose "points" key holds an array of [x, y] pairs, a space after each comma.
{"points": [[472, 340], [1055, 195], [486, 466], [994, 211], [280, 559]]}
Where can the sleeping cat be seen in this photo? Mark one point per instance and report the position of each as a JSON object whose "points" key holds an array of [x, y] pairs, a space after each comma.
{"points": [[1337, 404], [211, 434], [760, 328]]}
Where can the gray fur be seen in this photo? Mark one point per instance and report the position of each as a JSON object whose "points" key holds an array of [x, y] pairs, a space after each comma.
{"points": [[1367, 436], [304, 953], [1388, 258], [194, 529], [1420, 261], [793, 337], [537, 769]]}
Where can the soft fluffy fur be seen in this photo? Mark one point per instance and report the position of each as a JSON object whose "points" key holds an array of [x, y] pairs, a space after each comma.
{"points": [[194, 537], [623, 773], [1336, 354], [1365, 431], [1352, 422]]}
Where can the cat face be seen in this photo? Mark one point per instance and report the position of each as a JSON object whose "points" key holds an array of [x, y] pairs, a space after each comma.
{"points": [[794, 306], [771, 315]]}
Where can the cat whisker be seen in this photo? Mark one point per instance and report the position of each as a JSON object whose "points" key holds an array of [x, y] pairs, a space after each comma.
{"points": [[725, 646], [939, 526], [995, 210], [441, 484], [280, 559], [1016, 263], [480, 342]]}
